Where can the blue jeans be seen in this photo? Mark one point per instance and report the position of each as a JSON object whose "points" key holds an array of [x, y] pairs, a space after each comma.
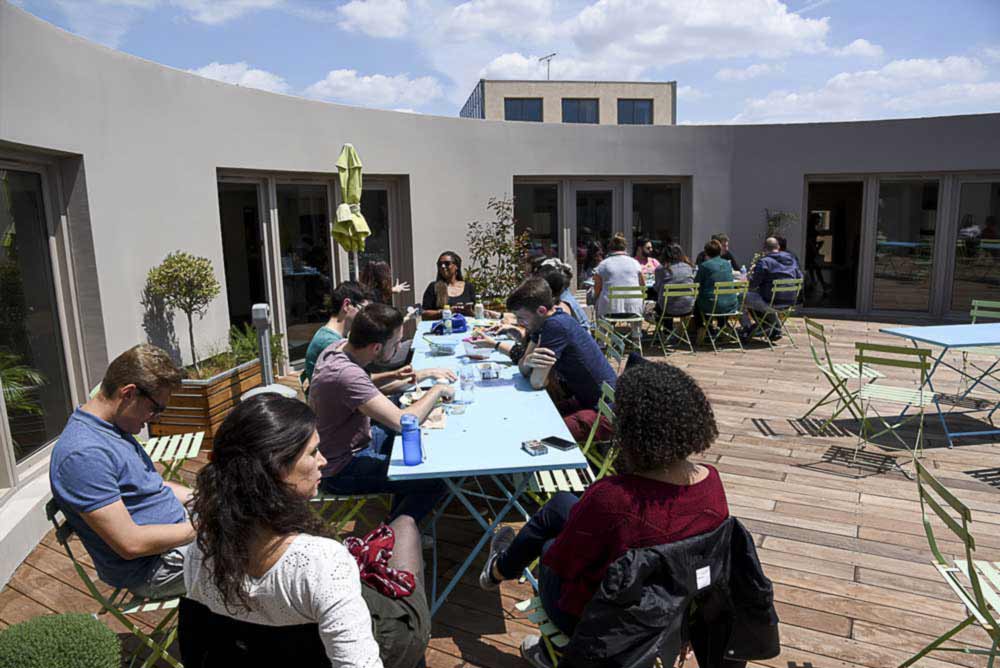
{"points": [[366, 474], [532, 541]]}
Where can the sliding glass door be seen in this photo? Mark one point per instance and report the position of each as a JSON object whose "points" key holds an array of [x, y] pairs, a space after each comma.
{"points": [[976, 271]]}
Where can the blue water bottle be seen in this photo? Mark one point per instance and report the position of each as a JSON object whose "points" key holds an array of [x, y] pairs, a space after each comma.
{"points": [[413, 452]]}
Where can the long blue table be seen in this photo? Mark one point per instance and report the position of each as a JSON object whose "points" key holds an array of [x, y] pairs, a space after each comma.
{"points": [[957, 337], [484, 441]]}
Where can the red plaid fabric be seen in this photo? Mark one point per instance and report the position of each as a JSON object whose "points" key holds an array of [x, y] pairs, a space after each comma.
{"points": [[372, 554]]}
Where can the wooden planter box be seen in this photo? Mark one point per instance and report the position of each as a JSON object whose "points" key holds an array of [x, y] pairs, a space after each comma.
{"points": [[202, 405]]}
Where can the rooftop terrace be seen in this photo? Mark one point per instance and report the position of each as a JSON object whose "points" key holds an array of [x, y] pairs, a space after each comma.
{"points": [[843, 545]]}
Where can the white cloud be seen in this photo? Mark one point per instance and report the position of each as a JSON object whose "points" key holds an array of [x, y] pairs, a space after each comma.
{"points": [[920, 86], [860, 47], [375, 90], [747, 73], [242, 74], [675, 31], [690, 93], [992, 53], [375, 18], [519, 20], [105, 21], [520, 66], [214, 12]]}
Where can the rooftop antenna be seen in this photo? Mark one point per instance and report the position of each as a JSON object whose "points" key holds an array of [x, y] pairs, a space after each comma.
{"points": [[548, 64]]}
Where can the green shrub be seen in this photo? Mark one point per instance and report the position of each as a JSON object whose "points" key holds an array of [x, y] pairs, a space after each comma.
{"points": [[60, 641]]}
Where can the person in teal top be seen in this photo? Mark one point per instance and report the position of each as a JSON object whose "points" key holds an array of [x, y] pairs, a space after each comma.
{"points": [[713, 270], [346, 300]]}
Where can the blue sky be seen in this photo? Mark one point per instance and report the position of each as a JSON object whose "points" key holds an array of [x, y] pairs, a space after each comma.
{"points": [[735, 61]]}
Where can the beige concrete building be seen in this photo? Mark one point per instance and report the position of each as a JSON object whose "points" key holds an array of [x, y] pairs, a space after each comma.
{"points": [[594, 102]]}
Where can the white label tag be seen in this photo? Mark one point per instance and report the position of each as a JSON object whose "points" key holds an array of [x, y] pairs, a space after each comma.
{"points": [[703, 577]]}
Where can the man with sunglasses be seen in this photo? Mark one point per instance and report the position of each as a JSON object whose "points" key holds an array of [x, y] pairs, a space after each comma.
{"points": [[131, 521]]}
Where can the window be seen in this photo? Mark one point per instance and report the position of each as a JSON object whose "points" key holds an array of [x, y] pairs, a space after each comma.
{"points": [[977, 244], [904, 245], [656, 214], [536, 211], [635, 112], [579, 110], [32, 363], [522, 109]]}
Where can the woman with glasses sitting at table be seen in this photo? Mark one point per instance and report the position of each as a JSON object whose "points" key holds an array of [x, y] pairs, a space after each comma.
{"points": [[265, 583], [662, 418], [449, 289]]}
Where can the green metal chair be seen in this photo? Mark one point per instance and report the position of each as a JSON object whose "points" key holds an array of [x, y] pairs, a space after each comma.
{"points": [[731, 318], [633, 320], [679, 334], [837, 374], [612, 343], [975, 582], [779, 316], [919, 397], [982, 309], [123, 604], [336, 510]]}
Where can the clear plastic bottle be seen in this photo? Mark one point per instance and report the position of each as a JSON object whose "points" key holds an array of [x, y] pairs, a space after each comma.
{"points": [[446, 317], [743, 273], [478, 309]]}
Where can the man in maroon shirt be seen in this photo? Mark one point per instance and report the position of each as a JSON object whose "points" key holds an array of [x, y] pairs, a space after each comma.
{"points": [[662, 418]]}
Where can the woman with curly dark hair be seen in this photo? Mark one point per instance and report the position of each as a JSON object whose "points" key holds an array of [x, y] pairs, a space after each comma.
{"points": [[262, 557], [662, 418]]}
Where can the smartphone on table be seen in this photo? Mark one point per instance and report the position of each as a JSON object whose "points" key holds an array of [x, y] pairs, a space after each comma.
{"points": [[559, 443]]}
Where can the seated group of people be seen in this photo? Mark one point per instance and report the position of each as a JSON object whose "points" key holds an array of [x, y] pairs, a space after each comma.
{"points": [[716, 265], [244, 543]]}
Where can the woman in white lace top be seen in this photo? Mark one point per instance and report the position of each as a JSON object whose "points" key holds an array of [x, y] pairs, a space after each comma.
{"points": [[262, 557]]}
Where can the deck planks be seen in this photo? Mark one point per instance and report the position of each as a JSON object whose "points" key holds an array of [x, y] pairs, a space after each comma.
{"points": [[844, 546]]}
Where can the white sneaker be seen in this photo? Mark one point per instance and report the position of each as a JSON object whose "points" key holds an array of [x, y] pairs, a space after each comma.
{"points": [[501, 540], [534, 652]]}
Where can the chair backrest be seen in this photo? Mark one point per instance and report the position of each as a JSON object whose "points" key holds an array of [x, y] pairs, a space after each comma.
{"points": [[817, 335], [957, 518], [983, 309], [614, 344], [900, 357], [604, 408], [725, 288], [786, 287], [210, 639], [677, 291], [627, 292]]}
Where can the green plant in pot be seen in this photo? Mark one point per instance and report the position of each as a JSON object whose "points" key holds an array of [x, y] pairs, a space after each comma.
{"points": [[187, 283], [243, 344], [497, 254]]}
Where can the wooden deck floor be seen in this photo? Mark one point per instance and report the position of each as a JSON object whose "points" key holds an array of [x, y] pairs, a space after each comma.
{"points": [[844, 546]]}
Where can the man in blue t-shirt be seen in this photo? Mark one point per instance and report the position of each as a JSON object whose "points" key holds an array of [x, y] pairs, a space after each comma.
{"points": [[557, 342], [132, 522]]}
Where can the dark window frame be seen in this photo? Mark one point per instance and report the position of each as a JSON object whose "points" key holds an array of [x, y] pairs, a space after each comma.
{"points": [[508, 104], [577, 103], [630, 117]]}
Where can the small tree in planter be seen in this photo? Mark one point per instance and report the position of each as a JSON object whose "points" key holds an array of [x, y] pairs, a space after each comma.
{"points": [[188, 283], [497, 254]]}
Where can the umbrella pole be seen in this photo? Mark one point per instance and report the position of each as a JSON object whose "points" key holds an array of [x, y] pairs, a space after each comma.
{"points": [[357, 268]]}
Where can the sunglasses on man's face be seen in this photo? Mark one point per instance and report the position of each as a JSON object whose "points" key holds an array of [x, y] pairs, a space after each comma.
{"points": [[445, 264], [158, 408]]}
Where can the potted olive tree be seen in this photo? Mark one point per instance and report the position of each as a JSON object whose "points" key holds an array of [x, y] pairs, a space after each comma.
{"points": [[215, 383], [497, 254]]}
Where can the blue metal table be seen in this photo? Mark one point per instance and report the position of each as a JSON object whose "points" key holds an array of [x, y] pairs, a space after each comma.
{"points": [[957, 337], [484, 442]]}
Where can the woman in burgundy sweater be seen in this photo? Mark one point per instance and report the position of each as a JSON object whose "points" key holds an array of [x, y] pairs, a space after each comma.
{"points": [[662, 418]]}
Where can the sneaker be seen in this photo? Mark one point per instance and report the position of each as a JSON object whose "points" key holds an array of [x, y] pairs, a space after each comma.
{"points": [[502, 539], [533, 651]]}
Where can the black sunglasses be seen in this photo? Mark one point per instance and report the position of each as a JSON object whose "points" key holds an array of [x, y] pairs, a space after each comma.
{"points": [[158, 408], [445, 264]]}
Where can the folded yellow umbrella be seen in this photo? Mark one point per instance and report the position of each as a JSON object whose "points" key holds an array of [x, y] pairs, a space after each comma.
{"points": [[350, 228]]}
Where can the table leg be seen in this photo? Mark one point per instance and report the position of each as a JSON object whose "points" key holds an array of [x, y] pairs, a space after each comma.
{"points": [[488, 527]]}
